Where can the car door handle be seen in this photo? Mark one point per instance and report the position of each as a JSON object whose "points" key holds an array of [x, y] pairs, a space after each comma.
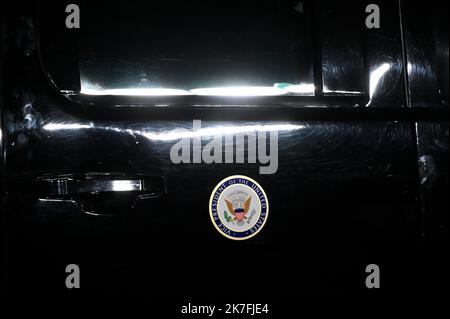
{"points": [[101, 193], [67, 186]]}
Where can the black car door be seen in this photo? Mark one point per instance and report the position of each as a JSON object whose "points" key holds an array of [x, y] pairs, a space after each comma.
{"points": [[115, 135]]}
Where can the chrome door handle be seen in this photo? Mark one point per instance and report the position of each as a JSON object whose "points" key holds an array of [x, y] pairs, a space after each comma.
{"points": [[96, 183], [69, 186], [101, 193]]}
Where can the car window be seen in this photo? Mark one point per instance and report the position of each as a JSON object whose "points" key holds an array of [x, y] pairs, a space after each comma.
{"points": [[226, 48], [196, 47]]}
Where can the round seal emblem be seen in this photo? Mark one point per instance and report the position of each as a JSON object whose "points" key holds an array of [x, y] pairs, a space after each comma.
{"points": [[238, 207]]}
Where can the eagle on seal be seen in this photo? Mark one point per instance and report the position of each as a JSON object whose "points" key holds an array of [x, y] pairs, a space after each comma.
{"points": [[239, 213]]}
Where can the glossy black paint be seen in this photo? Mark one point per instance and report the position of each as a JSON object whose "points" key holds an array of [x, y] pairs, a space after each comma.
{"points": [[426, 36], [359, 180]]}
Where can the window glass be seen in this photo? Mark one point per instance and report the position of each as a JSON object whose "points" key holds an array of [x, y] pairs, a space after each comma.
{"points": [[232, 47]]}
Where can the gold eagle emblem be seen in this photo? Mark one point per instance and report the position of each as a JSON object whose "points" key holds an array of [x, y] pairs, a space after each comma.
{"points": [[239, 213]]}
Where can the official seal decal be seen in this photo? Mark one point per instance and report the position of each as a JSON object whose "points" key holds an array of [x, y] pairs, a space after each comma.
{"points": [[238, 207]]}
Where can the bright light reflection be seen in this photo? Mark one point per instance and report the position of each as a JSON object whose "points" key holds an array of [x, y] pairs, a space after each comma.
{"points": [[219, 130], [376, 76], [240, 91], [135, 92], [326, 90], [124, 186], [180, 133], [275, 90], [303, 88], [65, 126]]}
